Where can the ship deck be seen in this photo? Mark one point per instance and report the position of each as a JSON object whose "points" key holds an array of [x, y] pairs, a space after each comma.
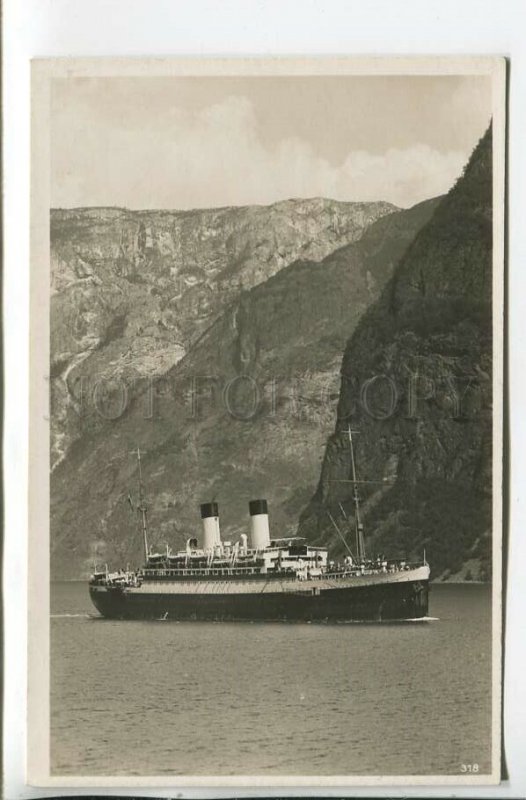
{"points": [[273, 584]]}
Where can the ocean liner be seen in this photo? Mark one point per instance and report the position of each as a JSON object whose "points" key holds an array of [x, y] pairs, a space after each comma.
{"points": [[268, 578]]}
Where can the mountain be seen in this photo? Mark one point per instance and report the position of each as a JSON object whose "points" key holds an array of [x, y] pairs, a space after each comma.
{"points": [[244, 413], [133, 290], [416, 382]]}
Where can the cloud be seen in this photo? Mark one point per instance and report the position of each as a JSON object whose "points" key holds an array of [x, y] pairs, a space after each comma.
{"points": [[215, 157], [406, 176]]}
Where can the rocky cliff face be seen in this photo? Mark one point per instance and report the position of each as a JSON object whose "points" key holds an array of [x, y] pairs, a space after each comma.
{"points": [[416, 383], [244, 413], [132, 291]]}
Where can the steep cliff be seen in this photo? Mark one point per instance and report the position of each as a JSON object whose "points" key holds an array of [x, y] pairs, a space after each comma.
{"points": [[133, 290], [244, 413], [416, 382]]}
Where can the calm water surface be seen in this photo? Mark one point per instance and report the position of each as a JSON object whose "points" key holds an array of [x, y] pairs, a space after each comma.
{"points": [[167, 698]]}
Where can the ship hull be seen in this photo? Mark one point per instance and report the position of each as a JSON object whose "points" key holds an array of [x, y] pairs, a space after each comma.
{"points": [[322, 601]]}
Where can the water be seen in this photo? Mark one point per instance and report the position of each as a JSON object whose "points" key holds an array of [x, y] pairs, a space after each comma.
{"points": [[166, 698]]}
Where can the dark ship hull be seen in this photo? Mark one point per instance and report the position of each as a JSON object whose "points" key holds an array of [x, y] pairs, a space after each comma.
{"points": [[360, 598]]}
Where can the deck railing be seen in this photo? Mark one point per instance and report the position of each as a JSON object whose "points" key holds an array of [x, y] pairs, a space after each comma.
{"points": [[163, 573]]}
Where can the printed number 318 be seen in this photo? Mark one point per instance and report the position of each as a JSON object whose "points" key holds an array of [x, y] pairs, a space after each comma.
{"points": [[469, 768]]}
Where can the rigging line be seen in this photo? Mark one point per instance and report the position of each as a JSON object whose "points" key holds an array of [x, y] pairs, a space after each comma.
{"points": [[345, 516], [142, 507], [130, 550], [343, 513], [360, 546], [340, 535], [385, 482], [132, 540]]}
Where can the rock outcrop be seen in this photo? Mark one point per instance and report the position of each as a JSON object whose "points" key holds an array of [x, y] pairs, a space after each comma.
{"points": [[416, 381], [132, 291], [245, 412]]}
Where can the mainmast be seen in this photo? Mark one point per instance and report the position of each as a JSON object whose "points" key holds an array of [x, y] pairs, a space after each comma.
{"points": [[360, 546], [142, 508]]}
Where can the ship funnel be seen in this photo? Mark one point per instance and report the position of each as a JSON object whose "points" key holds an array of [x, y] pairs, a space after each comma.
{"points": [[260, 534], [211, 533]]}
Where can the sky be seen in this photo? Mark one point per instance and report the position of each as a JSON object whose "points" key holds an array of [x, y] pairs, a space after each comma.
{"points": [[203, 142]]}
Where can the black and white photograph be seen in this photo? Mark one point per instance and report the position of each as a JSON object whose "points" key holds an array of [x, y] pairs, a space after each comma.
{"points": [[266, 445]]}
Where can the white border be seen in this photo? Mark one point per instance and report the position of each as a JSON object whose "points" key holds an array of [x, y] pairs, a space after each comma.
{"points": [[43, 71], [131, 27]]}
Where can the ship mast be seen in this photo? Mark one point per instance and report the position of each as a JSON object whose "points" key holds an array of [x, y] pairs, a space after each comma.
{"points": [[360, 546], [142, 508]]}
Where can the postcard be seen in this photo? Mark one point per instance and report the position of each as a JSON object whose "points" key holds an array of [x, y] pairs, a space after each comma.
{"points": [[266, 422]]}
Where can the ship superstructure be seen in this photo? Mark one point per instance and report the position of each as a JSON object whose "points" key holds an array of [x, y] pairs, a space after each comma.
{"points": [[261, 577]]}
